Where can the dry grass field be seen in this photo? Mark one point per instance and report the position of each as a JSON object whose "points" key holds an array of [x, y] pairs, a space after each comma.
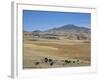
{"points": [[51, 53]]}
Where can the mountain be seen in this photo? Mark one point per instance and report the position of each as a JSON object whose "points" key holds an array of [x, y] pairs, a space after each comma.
{"points": [[65, 32], [37, 31], [70, 32], [69, 27]]}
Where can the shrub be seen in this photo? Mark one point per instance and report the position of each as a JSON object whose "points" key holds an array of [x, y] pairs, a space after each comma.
{"points": [[37, 63], [51, 63], [73, 61], [50, 60], [46, 59], [67, 61]]}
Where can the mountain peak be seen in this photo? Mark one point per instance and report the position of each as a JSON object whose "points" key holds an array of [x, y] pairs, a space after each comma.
{"points": [[70, 26]]}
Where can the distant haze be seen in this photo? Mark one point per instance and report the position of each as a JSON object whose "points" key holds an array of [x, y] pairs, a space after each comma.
{"points": [[44, 20]]}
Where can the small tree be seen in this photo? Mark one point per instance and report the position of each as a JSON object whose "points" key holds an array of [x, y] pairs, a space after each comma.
{"points": [[78, 37]]}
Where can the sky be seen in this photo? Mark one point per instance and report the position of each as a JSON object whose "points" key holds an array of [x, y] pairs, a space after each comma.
{"points": [[43, 20]]}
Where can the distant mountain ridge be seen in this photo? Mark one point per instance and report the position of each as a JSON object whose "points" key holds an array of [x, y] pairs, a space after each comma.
{"points": [[69, 31], [69, 27]]}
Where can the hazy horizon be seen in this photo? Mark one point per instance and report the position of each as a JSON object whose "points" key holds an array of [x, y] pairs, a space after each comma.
{"points": [[44, 20], [52, 28]]}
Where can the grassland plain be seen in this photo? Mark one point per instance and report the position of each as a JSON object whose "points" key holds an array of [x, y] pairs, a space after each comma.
{"points": [[46, 53]]}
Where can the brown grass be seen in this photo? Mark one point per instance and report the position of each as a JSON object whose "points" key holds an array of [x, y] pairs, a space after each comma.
{"points": [[58, 50]]}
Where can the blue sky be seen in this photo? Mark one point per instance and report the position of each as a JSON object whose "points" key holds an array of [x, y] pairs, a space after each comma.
{"points": [[43, 20]]}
